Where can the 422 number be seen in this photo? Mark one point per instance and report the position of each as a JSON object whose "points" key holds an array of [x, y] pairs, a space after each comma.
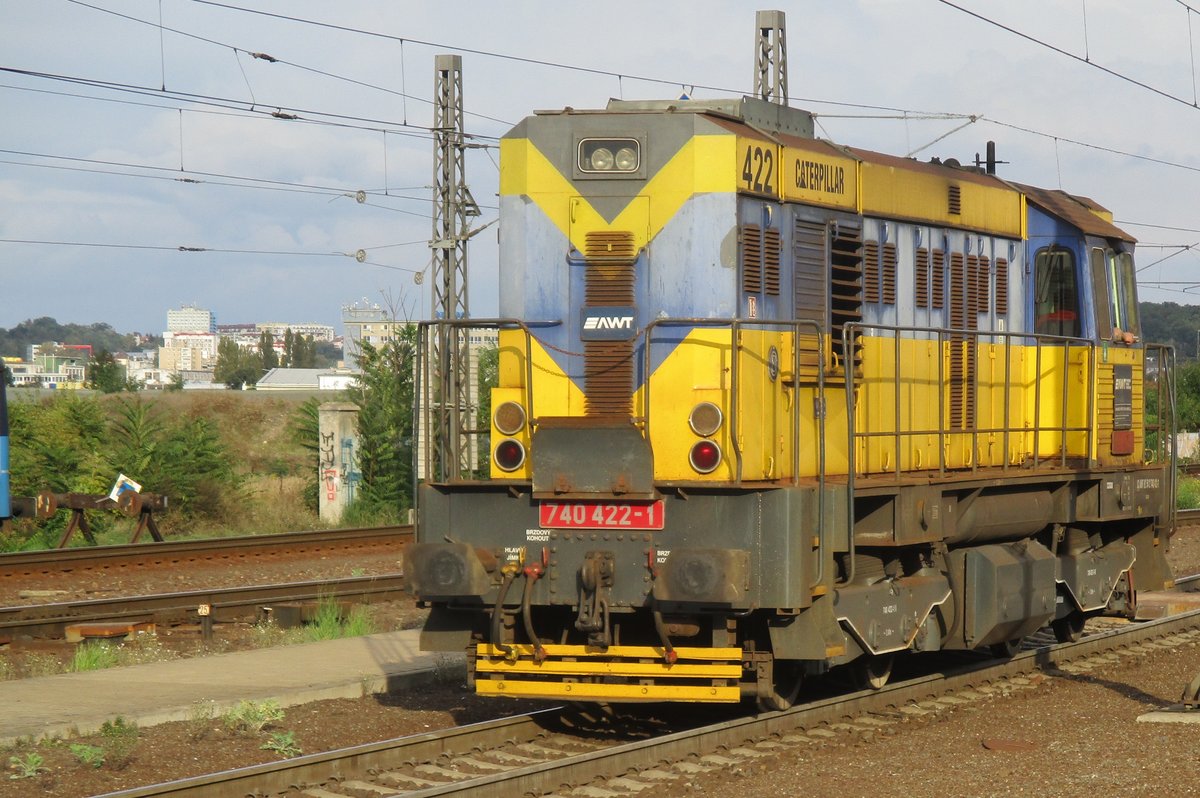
{"points": [[758, 169]]}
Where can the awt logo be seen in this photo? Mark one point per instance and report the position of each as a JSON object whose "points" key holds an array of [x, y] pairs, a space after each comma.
{"points": [[607, 323]]}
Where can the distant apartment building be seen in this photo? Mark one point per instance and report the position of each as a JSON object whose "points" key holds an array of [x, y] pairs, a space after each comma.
{"points": [[190, 318], [366, 322], [319, 332]]}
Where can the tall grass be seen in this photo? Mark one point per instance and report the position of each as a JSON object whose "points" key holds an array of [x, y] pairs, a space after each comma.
{"points": [[1187, 496]]}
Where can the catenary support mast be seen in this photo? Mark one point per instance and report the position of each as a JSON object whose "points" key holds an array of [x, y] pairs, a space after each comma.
{"points": [[453, 205]]}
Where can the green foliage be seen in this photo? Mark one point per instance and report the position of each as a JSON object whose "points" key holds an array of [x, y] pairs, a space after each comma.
{"points": [[384, 395], [105, 374], [487, 378], [330, 623], [304, 428], [235, 366], [266, 352], [1187, 496], [15, 342], [26, 767], [1187, 398], [176, 382], [180, 457], [71, 442], [1171, 323], [89, 755], [118, 738], [252, 716], [93, 656], [284, 744]]}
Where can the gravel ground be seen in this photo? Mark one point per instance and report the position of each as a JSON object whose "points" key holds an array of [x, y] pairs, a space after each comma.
{"points": [[1071, 735]]}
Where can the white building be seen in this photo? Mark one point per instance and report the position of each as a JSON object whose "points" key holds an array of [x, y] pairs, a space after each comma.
{"points": [[366, 322], [319, 332], [190, 318]]}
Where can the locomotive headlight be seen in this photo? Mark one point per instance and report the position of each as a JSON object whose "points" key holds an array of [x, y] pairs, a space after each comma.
{"points": [[509, 418], [705, 419], [601, 160], [626, 159], [616, 156], [705, 456], [509, 455]]}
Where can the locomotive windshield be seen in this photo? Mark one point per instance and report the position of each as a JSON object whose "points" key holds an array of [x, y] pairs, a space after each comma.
{"points": [[1057, 298]]}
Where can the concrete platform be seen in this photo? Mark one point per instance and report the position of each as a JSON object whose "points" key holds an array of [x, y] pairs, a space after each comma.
{"points": [[1172, 714], [1153, 604], [78, 703]]}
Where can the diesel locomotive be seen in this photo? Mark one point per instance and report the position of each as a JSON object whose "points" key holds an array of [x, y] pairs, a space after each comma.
{"points": [[769, 406]]}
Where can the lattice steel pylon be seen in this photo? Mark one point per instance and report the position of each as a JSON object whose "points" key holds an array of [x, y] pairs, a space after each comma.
{"points": [[770, 73], [453, 205]]}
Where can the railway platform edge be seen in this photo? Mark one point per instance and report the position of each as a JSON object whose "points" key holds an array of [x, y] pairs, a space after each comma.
{"points": [[79, 703]]}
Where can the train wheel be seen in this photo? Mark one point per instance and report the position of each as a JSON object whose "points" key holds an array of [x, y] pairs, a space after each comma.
{"points": [[1068, 629], [786, 680], [1006, 650], [872, 671]]}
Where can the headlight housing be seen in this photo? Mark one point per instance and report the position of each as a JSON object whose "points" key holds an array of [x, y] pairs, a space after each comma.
{"points": [[616, 156]]}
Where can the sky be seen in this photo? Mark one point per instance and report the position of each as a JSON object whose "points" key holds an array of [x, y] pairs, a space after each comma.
{"points": [[135, 132]]}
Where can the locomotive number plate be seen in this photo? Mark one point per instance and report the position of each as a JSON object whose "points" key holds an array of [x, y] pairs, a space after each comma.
{"points": [[602, 515]]}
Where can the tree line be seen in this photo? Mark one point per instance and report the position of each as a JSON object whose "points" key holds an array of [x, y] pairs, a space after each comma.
{"points": [[237, 367]]}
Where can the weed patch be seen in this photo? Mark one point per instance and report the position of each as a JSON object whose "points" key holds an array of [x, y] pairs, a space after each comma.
{"points": [[252, 716]]}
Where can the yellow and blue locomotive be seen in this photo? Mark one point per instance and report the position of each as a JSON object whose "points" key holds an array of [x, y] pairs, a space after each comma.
{"points": [[769, 405]]}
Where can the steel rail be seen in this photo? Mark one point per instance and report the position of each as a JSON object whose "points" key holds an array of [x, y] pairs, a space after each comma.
{"points": [[621, 759], [178, 552], [1187, 517], [227, 604]]}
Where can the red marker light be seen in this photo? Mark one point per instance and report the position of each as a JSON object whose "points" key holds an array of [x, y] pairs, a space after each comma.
{"points": [[705, 456], [509, 455]]}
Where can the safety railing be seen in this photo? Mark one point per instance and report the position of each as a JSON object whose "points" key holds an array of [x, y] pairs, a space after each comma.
{"points": [[1013, 343], [1159, 391], [442, 438]]}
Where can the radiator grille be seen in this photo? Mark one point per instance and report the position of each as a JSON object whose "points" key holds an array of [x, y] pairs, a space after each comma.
{"points": [[608, 365], [609, 244], [871, 272], [752, 258], [938, 280], [962, 348], [1001, 286], [889, 274], [954, 200], [846, 289], [771, 252], [922, 276]]}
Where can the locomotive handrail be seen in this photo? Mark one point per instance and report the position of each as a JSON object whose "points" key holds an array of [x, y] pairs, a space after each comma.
{"points": [[423, 408], [1164, 428], [735, 326], [942, 335]]}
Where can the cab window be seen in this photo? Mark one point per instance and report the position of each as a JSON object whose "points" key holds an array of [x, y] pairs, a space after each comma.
{"points": [[1056, 297], [1122, 291]]}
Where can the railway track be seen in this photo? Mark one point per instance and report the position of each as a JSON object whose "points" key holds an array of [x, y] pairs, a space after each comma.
{"points": [[226, 604], [1187, 517], [210, 551], [558, 750]]}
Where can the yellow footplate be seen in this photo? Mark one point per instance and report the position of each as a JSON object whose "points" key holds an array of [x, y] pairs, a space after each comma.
{"points": [[618, 673]]}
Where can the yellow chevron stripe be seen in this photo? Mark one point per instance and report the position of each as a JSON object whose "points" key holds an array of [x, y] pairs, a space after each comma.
{"points": [[704, 165]]}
